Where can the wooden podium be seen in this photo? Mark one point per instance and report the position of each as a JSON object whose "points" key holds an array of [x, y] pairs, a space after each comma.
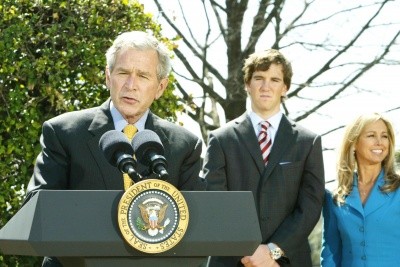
{"points": [[80, 228]]}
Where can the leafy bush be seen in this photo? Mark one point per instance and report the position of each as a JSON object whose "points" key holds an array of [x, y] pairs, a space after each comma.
{"points": [[52, 61]]}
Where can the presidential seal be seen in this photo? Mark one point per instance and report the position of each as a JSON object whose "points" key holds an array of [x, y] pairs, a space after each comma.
{"points": [[153, 216]]}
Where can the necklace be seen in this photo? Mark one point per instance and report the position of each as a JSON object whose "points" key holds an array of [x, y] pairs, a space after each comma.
{"points": [[364, 192], [365, 189], [372, 181]]}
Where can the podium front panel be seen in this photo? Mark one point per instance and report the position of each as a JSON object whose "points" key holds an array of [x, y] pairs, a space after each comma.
{"points": [[84, 224]]}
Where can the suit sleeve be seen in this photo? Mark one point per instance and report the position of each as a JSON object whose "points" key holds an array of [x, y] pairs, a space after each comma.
{"points": [[331, 242], [51, 166], [214, 165], [190, 169]]}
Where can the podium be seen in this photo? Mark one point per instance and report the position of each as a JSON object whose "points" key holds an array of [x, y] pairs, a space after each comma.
{"points": [[80, 228]]}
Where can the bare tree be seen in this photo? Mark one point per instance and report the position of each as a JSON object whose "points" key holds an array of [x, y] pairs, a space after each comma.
{"points": [[233, 29]]}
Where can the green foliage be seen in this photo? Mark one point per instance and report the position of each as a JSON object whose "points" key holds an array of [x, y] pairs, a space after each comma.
{"points": [[52, 61]]}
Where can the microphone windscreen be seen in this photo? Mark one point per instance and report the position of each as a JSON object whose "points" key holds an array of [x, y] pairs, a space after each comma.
{"points": [[145, 141], [113, 142]]}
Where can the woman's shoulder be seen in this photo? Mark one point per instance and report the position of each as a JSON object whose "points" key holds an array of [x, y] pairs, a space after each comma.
{"points": [[329, 197]]}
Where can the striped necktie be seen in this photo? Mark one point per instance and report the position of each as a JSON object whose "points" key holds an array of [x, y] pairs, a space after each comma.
{"points": [[129, 131], [265, 141]]}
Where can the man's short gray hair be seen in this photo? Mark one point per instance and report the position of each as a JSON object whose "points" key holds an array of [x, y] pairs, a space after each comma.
{"points": [[141, 41]]}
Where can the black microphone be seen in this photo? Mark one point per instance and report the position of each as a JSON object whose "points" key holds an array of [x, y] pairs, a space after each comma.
{"points": [[150, 152], [119, 152]]}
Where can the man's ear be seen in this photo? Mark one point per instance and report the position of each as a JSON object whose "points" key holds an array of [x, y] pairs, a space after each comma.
{"points": [[284, 91], [246, 88], [107, 71], [161, 87]]}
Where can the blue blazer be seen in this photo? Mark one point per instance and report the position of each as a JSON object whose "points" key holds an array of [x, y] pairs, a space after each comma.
{"points": [[357, 235]]}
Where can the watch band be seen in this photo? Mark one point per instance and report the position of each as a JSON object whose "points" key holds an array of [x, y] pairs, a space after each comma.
{"points": [[275, 252]]}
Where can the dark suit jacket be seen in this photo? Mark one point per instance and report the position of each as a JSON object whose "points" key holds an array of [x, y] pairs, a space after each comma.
{"points": [[288, 192], [71, 157]]}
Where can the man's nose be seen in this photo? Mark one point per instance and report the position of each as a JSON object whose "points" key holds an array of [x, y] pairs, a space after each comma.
{"points": [[130, 81]]}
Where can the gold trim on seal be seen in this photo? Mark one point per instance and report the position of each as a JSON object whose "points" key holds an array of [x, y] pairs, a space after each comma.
{"points": [[153, 216]]}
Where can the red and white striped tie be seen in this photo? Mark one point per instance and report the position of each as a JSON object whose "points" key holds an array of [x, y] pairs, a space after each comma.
{"points": [[265, 141]]}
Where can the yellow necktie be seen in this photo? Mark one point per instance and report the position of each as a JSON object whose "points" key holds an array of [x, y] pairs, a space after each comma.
{"points": [[129, 131]]}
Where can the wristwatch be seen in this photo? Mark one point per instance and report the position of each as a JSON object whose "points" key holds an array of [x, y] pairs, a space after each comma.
{"points": [[274, 251]]}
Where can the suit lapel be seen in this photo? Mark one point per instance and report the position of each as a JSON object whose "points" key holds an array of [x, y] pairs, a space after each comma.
{"points": [[377, 198], [247, 136], [101, 123], [353, 200], [153, 123], [283, 140]]}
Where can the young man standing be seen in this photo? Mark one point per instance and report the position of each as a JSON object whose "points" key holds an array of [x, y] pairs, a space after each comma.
{"points": [[278, 160]]}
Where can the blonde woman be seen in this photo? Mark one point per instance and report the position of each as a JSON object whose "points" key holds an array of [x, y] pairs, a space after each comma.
{"points": [[362, 216]]}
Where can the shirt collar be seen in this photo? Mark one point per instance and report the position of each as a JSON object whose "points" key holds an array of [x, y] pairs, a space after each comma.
{"points": [[273, 121], [120, 122]]}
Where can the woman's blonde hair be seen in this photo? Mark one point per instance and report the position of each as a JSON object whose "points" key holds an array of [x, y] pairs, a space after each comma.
{"points": [[347, 164]]}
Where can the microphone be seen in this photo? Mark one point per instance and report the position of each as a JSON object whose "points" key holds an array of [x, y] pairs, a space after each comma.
{"points": [[119, 152], [150, 152]]}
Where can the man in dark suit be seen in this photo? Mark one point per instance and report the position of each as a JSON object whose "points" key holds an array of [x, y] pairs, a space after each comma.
{"points": [[287, 178], [136, 74]]}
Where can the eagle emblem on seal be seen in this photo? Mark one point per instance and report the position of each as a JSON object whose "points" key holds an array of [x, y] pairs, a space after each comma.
{"points": [[152, 213]]}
